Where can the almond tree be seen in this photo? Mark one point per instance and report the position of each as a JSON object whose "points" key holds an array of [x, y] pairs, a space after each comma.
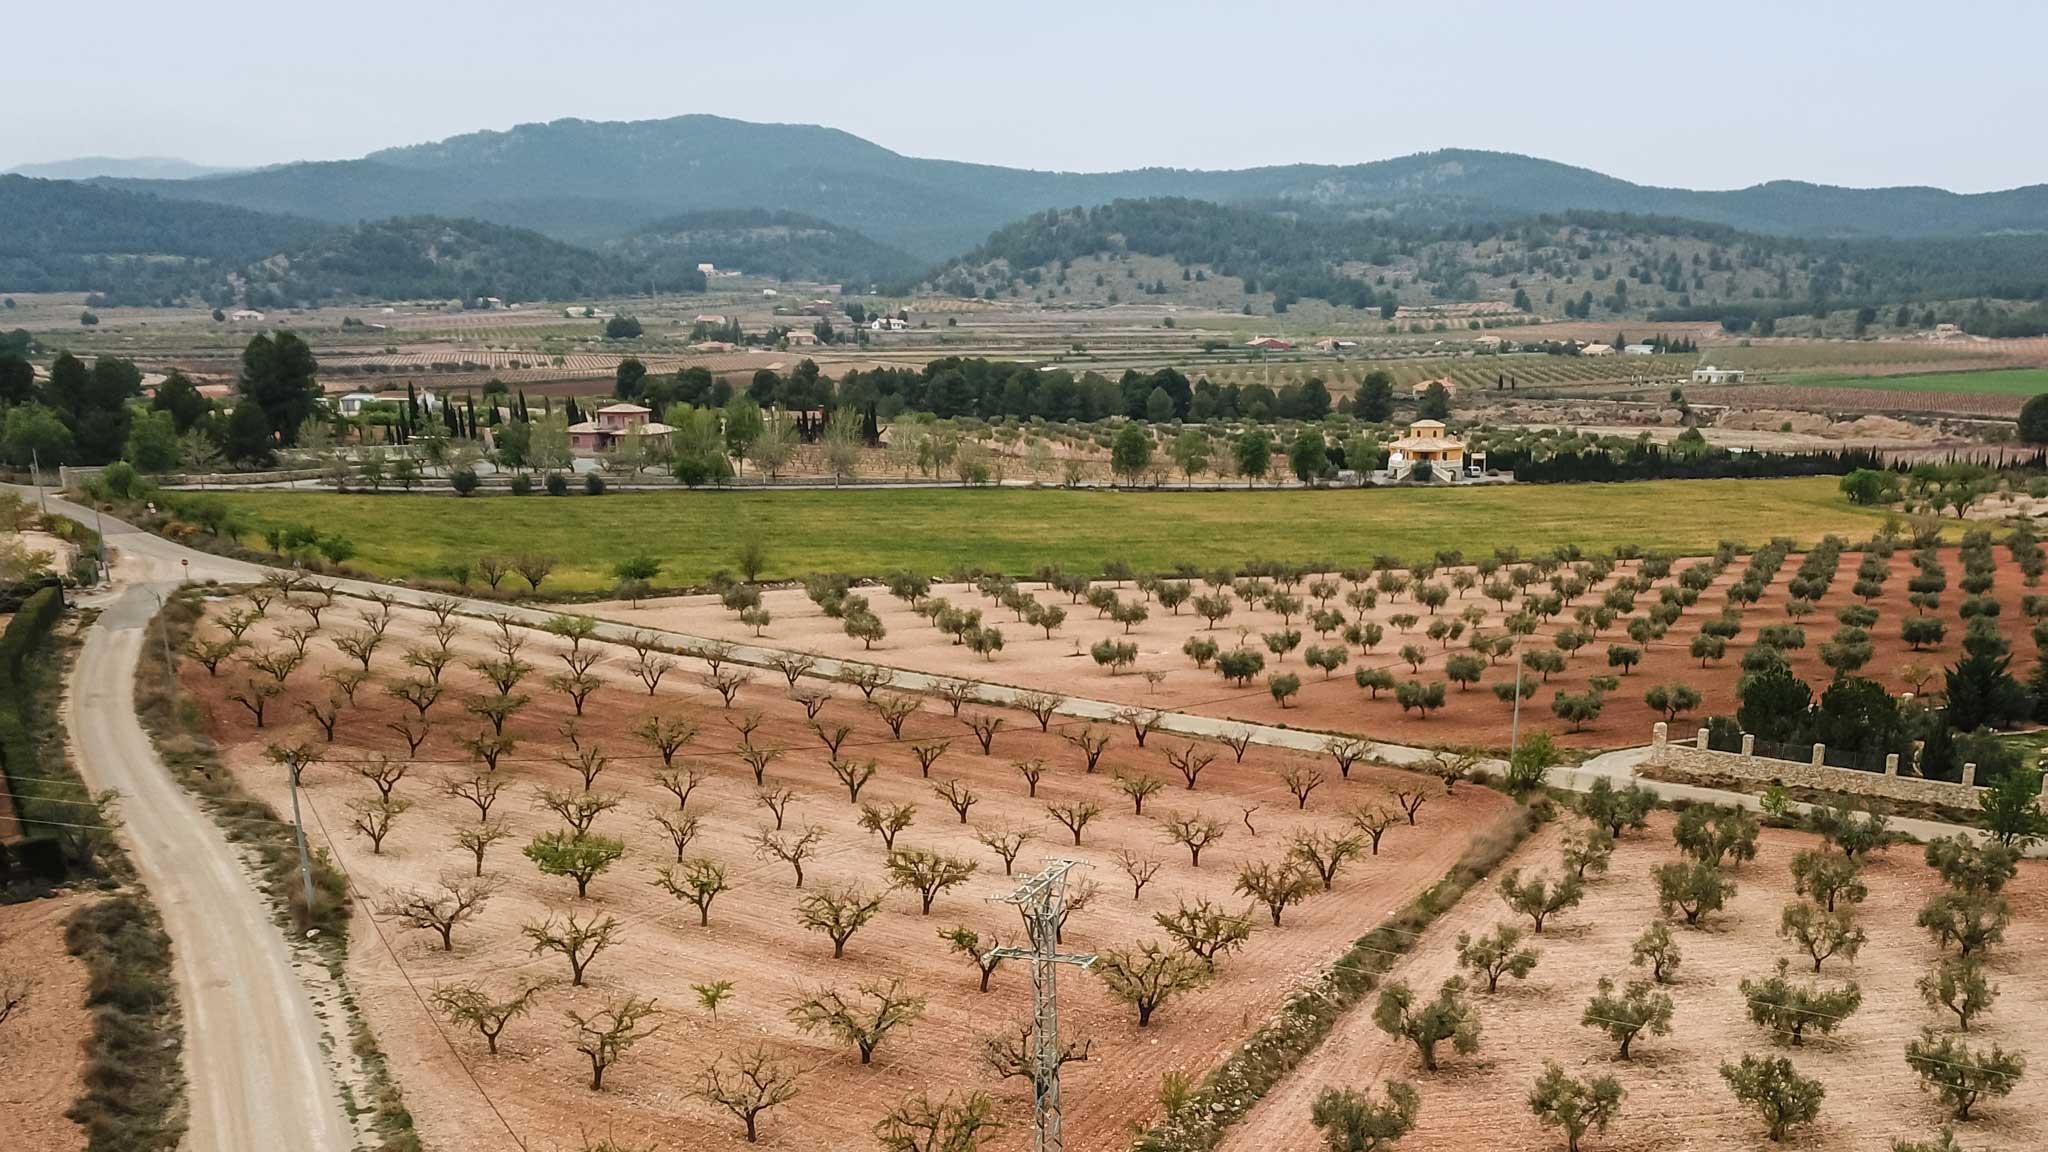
{"points": [[1372, 822], [1497, 953], [476, 839], [681, 782], [457, 900], [1194, 832], [959, 795], [1004, 842], [837, 912], [887, 821], [864, 1021], [699, 880], [1033, 771], [832, 737], [1776, 1090], [1139, 787], [1011, 1053], [579, 810], [1962, 1076], [854, 775], [469, 1004], [1205, 930], [776, 801], [1075, 815], [1090, 741], [982, 954], [578, 941], [1410, 800], [1958, 985], [894, 710], [1693, 889], [480, 789], [1138, 867], [985, 726], [927, 873], [1971, 922], [1588, 850], [748, 1085], [1276, 885], [917, 1123], [372, 819], [606, 1034], [1345, 752], [928, 755], [792, 850], [1148, 975], [1790, 1009], [1189, 762], [1043, 706], [1301, 781]]}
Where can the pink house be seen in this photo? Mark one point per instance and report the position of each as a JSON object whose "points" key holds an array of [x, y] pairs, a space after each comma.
{"points": [[613, 423]]}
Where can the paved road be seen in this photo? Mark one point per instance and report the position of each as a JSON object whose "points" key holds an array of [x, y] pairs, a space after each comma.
{"points": [[257, 1077]]}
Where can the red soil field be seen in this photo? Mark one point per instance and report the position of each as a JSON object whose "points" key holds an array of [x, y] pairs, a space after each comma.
{"points": [[539, 1081], [42, 1073], [1471, 717], [1676, 1099]]}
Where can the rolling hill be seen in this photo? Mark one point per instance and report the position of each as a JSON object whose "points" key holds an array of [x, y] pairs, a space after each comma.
{"points": [[587, 181], [762, 242], [120, 167]]}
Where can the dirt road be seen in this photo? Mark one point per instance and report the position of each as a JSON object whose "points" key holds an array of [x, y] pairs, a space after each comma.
{"points": [[258, 1080]]}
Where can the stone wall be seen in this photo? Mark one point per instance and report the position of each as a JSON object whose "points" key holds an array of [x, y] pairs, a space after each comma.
{"points": [[1695, 757]]}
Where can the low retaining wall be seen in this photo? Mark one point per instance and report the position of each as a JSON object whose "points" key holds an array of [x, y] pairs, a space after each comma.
{"points": [[1695, 757]]}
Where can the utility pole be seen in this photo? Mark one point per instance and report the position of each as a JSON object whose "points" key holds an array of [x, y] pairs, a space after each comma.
{"points": [[1043, 901], [1515, 727], [292, 765], [35, 462]]}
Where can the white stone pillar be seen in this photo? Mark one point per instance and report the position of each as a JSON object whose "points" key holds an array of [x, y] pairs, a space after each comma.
{"points": [[1970, 775], [1891, 764], [1748, 745], [1820, 752], [1700, 741]]}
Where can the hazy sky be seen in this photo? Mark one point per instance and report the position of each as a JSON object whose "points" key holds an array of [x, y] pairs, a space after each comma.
{"points": [[1696, 95]]}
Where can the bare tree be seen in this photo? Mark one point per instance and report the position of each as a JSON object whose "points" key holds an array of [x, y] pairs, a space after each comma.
{"points": [[793, 665], [1090, 741], [382, 772], [981, 953], [1324, 853], [927, 873], [1347, 752], [457, 900], [1043, 706], [887, 821], [832, 737], [681, 782], [1410, 800], [757, 759], [864, 1021], [1194, 832], [1148, 975], [837, 912], [1189, 762], [928, 754], [959, 795], [1276, 885], [346, 681], [1139, 788], [606, 1034], [665, 734], [16, 988], [894, 710], [579, 810], [985, 726], [867, 678], [1075, 815], [255, 695], [1033, 771], [372, 819], [680, 828], [469, 1004], [1206, 930], [1011, 1053], [421, 694], [792, 850], [1005, 842], [579, 941], [1301, 781], [1237, 740], [1143, 722], [480, 789], [776, 801], [1140, 868], [478, 839], [1372, 821], [413, 730], [727, 683], [918, 1123], [699, 880], [854, 774], [956, 693], [750, 1085]]}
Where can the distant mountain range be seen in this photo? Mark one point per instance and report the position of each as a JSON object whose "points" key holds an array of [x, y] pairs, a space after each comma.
{"points": [[120, 167], [574, 209], [587, 182]]}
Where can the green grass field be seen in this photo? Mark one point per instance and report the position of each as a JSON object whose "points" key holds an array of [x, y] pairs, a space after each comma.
{"points": [[933, 530], [1999, 382]]}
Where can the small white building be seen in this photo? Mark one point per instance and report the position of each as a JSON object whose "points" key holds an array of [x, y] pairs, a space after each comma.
{"points": [[707, 269], [246, 315], [1639, 350], [1597, 350], [887, 324], [1708, 374], [352, 404]]}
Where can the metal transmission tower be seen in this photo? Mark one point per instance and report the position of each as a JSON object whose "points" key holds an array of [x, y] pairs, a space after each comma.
{"points": [[1043, 901]]}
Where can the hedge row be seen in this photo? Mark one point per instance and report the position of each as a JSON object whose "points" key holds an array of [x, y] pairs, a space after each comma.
{"points": [[25, 634]]}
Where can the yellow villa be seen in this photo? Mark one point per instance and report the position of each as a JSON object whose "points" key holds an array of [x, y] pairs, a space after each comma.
{"points": [[1428, 442]]}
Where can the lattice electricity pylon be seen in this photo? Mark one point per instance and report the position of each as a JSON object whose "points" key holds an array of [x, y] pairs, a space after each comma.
{"points": [[1043, 901]]}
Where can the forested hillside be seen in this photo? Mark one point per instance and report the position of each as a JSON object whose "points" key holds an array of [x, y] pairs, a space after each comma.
{"points": [[761, 242], [1579, 264], [589, 181]]}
